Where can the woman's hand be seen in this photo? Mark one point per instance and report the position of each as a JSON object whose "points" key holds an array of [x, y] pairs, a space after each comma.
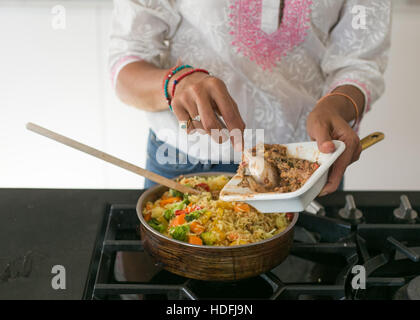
{"points": [[329, 121], [206, 96]]}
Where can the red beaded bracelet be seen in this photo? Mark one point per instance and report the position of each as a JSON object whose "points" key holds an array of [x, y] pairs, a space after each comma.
{"points": [[168, 76], [178, 80]]}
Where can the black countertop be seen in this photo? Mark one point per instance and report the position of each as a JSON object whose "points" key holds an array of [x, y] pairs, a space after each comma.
{"points": [[40, 228]]}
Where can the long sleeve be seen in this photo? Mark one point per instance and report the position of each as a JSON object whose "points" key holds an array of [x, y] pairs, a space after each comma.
{"points": [[358, 56], [140, 30]]}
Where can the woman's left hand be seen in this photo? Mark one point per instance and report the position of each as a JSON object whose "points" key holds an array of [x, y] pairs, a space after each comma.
{"points": [[329, 121]]}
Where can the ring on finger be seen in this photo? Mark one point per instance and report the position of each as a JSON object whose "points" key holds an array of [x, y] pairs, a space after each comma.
{"points": [[197, 118]]}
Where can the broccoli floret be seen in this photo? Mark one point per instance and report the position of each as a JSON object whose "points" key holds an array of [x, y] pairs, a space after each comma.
{"points": [[175, 193], [156, 225], [180, 232], [209, 238], [193, 215], [177, 206], [168, 214], [186, 200]]}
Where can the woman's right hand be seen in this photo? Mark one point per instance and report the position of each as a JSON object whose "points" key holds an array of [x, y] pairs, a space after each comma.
{"points": [[207, 96]]}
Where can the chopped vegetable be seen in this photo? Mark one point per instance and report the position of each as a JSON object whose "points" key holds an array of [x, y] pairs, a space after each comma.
{"points": [[241, 207], [196, 227], [179, 232], [157, 212], [147, 216], [203, 186], [168, 214], [178, 220], [176, 206], [191, 208], [209, 238], [186, 199], [289, 216], [232, 236], [178, 212], [170, 200], [206, 217], [175, 193], [155, 224], [195, 240], [193, 215], [224, 204]]}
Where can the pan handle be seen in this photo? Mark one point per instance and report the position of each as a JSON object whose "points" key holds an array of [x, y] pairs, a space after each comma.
{"points": [[371, 139]]}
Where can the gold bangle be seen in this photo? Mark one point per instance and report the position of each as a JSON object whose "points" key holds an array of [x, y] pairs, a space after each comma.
{"points": [[356, 110]]}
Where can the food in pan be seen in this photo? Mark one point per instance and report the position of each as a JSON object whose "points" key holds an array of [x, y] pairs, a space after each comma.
{"points": [[275, 170], [205, 220]]}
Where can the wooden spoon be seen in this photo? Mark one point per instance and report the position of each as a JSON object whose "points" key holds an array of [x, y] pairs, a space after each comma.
{"points": [[111, 159]]}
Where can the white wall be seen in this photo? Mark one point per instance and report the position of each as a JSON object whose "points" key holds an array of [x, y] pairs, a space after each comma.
{"points": [[58, 78], [393, 164]]}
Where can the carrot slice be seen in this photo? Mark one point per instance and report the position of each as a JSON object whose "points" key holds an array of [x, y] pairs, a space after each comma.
{"points": [[195, 240], [241, 207], [178, 220], [169, 200], [147, 216], [232, 236], [196, 227]]}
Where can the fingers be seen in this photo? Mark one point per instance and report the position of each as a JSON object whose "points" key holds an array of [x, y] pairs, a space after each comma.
{"points": [[351, 154], [210, 99], [229, 110], [357, 152], [193, 112], [185, 109], [179, 110], [209, 120], [321, 133]]}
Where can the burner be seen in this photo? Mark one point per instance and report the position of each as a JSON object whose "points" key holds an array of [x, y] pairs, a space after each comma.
{"points": [[410, 291], [413, 289], [252, 288]]}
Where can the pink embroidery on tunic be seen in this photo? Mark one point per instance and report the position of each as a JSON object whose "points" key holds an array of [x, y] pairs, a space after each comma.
{"points": [[267, 49]]}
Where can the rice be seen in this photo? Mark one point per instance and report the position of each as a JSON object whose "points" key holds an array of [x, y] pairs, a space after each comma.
{"points": [[204, 219]]}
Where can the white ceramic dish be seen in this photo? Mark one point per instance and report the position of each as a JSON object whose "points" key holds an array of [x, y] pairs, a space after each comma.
{"points": [[295, 201]]}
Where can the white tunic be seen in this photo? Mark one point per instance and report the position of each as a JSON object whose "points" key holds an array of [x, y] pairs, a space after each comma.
{"points": [[275, 73]]}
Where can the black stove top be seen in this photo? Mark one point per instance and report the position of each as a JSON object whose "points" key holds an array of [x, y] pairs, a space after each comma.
{"points": [[361, 246]]}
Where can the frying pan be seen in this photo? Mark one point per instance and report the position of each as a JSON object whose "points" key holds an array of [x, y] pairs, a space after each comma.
{"points": [[212, 263]]}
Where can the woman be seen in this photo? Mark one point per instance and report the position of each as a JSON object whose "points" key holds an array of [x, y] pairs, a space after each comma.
{"points": [[299, 69]]}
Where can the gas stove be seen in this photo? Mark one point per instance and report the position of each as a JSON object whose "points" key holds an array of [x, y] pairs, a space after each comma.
{"points": [[356, 245]]}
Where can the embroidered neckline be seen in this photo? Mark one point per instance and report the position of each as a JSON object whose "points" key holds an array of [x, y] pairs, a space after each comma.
{"points": [[267, 49]]}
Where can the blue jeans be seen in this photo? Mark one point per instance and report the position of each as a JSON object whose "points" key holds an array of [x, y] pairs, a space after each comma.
{"points": [[173, 170]]}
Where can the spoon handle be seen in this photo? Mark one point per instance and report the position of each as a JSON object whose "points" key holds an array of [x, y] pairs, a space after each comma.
{"points": [[109, 158]]}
